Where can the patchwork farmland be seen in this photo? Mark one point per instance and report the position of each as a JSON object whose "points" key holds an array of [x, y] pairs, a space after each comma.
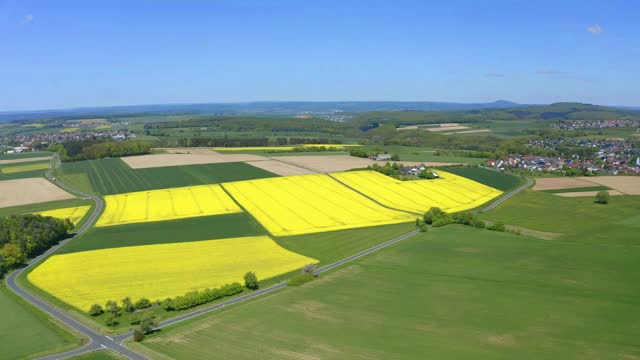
{"points": [[194, 230]]}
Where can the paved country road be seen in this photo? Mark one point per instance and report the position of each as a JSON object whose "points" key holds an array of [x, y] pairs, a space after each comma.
{"points": [[98, 341]]}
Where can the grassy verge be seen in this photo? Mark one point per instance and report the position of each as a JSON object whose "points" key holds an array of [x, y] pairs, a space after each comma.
{"points": [[26, 332]]}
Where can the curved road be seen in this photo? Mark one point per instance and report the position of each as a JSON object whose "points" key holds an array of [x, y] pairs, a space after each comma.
{"points": [[98, 341]]}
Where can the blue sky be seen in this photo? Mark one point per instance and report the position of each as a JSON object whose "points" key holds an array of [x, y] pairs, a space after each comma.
{"points": [[59, 54]]}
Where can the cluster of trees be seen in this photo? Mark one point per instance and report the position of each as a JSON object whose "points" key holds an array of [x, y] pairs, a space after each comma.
{"points": [[25, 236], [114, 310], [195, 298], [437, 217], [98, 149]]}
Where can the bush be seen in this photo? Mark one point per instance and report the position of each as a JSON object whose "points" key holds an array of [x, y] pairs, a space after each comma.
{"points": [[497, 226], [301, 279], [426, 174], [143, 303], [602, 197], [478, 223], [251, 281], [138, 335], [463, 218], [436, 217], [358, 153], [309, 269], [111, 321], [96, 310]]}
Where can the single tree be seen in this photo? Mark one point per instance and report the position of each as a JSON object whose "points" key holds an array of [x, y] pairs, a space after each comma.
{"points": [[96, 310], [147, 324], [251, 281], [602, 197], [112, 308], [138, 335], [127, 305], [12, 255]]}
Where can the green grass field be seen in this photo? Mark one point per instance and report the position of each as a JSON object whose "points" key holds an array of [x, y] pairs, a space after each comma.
{"points": [[412, 153], [26, 155], [25, 332], [498, 180], [335, 245], [451, 293], [51, 205], [578, 219], [183, 230], [113, 176]]}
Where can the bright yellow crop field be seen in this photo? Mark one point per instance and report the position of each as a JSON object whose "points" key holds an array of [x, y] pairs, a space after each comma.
{"points": [[309, 204], [450, 192], [26, 167], [74, 214], [160, 271], [283, 148], [166, 204]]}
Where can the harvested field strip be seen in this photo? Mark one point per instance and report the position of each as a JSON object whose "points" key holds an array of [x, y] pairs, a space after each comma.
{"points": [[164, 160], [29, 191], [280, 168], [309, 204], [135, 271], [282, 148], [24, 167], [587, 193], [166, 204], [560, 183], [74, 214], [581, 189], [629, 185], [450, 192], [24, 160]]}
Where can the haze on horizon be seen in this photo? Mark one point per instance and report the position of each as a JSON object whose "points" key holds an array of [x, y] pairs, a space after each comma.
{"points": [[71, 54]]}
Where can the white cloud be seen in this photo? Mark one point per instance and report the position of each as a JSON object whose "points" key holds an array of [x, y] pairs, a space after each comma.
{"points": [[27, 19], [595, 29]]}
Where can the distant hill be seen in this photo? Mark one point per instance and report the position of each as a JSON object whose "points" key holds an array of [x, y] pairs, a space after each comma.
{"points": [[255, 108], [552, 112]]}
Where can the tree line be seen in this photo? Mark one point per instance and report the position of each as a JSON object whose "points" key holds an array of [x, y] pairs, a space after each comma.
{"points": [[97, 149], [25, 236]]}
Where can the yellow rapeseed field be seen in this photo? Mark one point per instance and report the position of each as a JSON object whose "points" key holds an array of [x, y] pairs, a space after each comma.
{"points": [[450, 192], [166, 204], [74, 214], [26, 167], [308, 204], [283, 148], [160, 271]]}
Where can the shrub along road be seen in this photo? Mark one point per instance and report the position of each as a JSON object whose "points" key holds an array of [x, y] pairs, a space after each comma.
{"points": [[98, 341]]}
